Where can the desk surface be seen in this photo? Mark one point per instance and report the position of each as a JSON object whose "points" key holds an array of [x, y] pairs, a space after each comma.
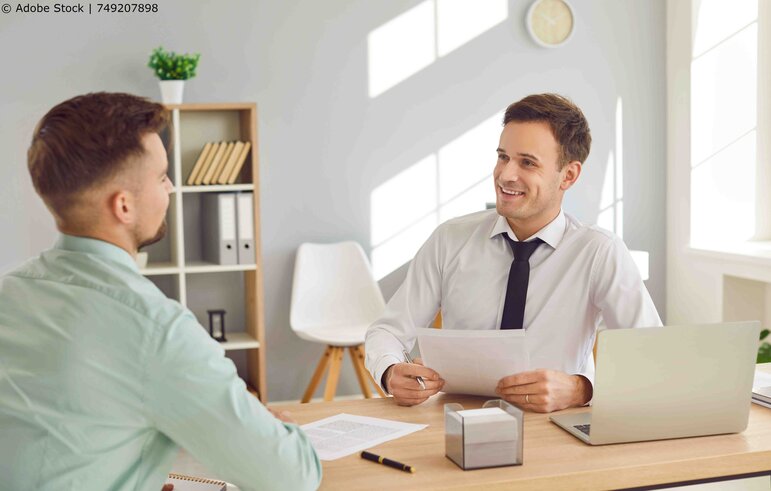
{"points": [[553, 459]]}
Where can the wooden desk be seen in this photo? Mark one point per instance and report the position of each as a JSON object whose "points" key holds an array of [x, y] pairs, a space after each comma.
{"points": [[553, 459]]}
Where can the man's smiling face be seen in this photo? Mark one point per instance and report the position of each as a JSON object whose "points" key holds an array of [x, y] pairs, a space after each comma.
{"points": [[527, 176]]}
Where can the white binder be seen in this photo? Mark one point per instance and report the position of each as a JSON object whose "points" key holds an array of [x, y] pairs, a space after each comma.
{"points": [[245, 206], [218, 212]]}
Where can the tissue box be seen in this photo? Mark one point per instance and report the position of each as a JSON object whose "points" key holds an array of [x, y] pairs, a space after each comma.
{"points": [[487, 437]]}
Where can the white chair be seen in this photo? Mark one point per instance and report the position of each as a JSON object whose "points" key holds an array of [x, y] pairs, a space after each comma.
{"points": [[334, 299]]}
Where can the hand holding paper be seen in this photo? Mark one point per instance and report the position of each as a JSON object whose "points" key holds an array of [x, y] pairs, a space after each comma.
{"points": [[473, 362], [544, 391]]}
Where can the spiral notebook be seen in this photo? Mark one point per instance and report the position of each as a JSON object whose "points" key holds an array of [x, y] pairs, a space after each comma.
{"points": [[182, 482]]}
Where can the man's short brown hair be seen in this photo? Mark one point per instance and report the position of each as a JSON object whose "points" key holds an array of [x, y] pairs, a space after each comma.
{"points": [[567, 123], [86, 140]]}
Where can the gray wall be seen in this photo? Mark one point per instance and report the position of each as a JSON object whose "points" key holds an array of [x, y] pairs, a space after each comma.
{"points": [[324, 143]]}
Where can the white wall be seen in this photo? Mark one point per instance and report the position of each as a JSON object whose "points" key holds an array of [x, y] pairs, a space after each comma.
{"points": [[324, 143]]}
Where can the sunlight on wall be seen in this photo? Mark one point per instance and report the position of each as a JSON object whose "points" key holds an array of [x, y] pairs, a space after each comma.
{"points": [[611, 214], [465, 170], [460, 21], [416, 38], [454, 181], [723, 122], [401, 47], [404, 200]]}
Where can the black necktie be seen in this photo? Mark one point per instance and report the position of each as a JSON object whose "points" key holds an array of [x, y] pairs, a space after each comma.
{"points": [[516, 289]]}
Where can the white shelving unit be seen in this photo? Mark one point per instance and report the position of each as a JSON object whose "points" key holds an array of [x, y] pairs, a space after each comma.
{"points": [[176, 264]]}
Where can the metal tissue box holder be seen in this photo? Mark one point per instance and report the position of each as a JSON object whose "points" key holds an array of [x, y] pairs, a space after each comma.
{"points": [[479, 438]]}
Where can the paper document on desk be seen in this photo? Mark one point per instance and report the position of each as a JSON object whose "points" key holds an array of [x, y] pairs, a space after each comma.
{"points": [[472, 362], [344, 434], [762, 379]]}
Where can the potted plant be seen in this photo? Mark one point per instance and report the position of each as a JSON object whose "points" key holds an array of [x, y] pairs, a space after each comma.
{"points": [[172, 70]]}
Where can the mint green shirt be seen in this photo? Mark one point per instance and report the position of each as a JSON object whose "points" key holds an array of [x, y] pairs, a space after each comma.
{"points": [[103, 378]]}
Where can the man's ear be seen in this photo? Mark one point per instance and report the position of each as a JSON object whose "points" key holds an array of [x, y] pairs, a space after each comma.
{"points": [[570, 174], [123, 207]]}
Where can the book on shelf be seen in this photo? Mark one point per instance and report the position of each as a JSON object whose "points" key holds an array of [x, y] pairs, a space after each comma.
{"points": [[219, 163], [215, 150], [206, 177], [239, 163], [228, 167], [199, 163], [215, 169]]}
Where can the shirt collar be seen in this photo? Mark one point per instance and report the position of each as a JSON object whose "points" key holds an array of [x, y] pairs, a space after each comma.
{"points": [[552, 233], [97, 247]]}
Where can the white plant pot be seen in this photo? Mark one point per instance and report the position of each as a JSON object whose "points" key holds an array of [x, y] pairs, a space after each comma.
{"points": [[171, 91]]}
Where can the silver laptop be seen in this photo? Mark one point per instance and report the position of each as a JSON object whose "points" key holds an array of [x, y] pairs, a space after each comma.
{"points": [[669, 382]]}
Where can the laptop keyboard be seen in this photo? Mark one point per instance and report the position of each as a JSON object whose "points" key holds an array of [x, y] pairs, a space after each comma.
{"points": [[583, 428]]}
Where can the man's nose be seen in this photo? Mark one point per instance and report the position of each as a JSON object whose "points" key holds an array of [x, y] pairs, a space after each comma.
{"points": [[510, 173]]}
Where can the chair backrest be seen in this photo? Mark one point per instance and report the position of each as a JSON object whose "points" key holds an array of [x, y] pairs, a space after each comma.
{"points": [[333, 285]]}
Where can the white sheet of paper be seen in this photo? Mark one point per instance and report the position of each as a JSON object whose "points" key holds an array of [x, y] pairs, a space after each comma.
{"points": [[472, 362], [762, 379], [344, 434]]}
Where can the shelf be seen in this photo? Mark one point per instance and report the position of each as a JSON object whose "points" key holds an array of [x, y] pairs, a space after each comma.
{"points": [[239, 340], [177, 260], [204, 267], [155, 269], [216, 188], [213, 106]]}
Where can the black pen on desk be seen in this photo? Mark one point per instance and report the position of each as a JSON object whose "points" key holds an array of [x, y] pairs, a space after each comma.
{"points": [[390, 463], [418, 378]]}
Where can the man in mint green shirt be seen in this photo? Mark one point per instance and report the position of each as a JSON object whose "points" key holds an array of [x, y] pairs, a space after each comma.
{"points": [[102, 377]]}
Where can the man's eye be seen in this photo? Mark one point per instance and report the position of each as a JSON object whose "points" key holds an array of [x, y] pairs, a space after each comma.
{"points": [[528, 163]]}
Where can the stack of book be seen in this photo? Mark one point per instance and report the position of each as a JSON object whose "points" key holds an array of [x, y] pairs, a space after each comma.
{"points": [[219, 163], [762, 396], [761, 388]]}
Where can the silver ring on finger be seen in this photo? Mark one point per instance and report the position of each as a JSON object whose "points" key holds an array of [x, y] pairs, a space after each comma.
{"points": [[527, 398]]}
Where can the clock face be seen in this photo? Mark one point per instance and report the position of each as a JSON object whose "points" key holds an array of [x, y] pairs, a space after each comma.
{"points": [[550, 22]]}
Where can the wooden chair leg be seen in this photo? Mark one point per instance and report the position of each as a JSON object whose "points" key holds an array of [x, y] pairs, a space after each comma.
{"points": [[323, 362], [358, 367], [368, 375], [334, 373]]}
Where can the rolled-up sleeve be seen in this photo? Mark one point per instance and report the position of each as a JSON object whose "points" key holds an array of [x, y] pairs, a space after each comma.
{"points": [[195, 397]]}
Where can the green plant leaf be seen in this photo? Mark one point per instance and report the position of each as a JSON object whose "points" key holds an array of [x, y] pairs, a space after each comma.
{"points": [[171, 66], [764, 353]]}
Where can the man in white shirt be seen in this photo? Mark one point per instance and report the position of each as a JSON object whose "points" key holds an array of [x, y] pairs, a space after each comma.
{"points": [[564, 281]]}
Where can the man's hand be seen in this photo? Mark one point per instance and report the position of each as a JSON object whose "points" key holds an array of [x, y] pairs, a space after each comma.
{"points": [[401, 382], [283, 416], [544, 391]]}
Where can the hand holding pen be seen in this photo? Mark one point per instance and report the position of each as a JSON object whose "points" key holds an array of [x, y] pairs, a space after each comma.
{"points": [[411, 383], [408, 359]]}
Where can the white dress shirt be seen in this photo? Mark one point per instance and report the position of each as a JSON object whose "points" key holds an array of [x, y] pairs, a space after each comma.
{"points": [[579, 277]]}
